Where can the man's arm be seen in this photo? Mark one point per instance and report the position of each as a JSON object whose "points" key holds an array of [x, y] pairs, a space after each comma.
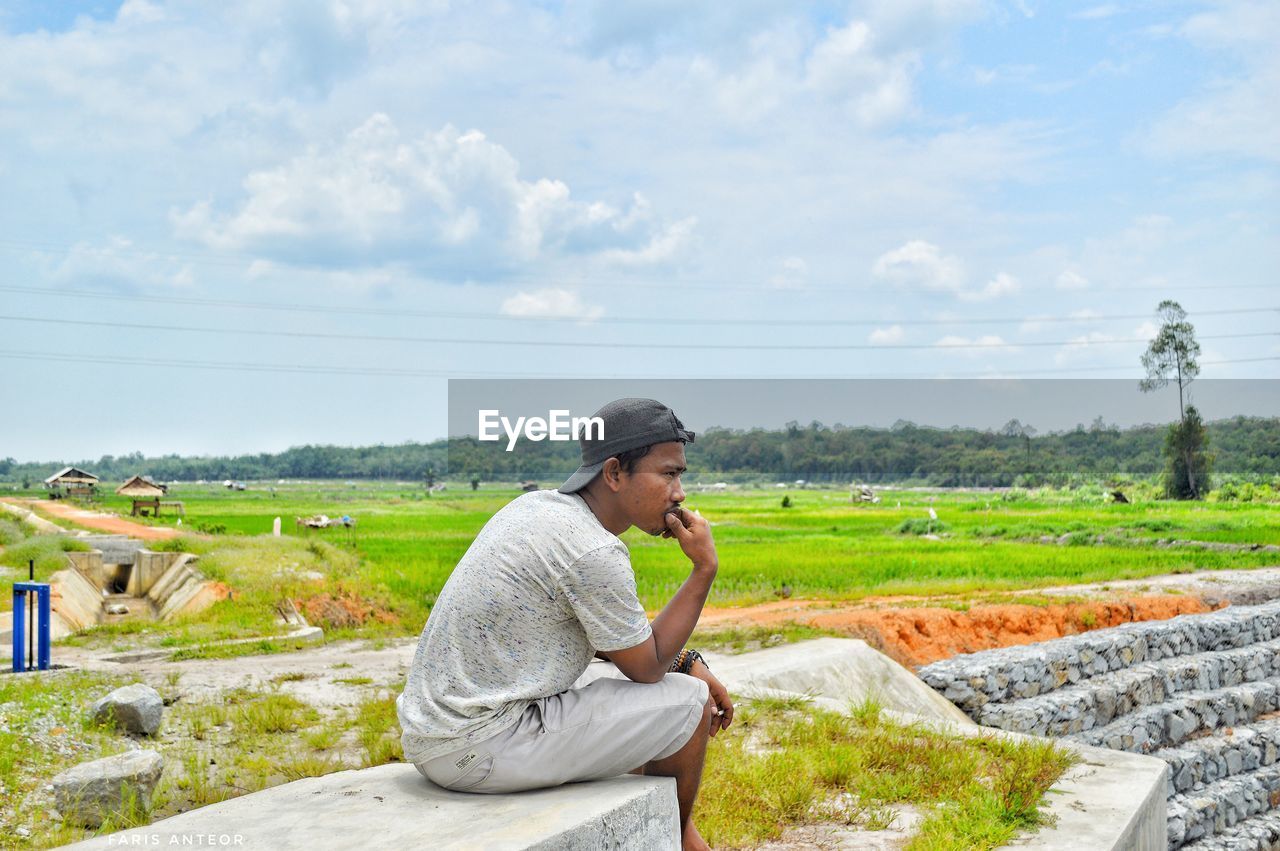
{"points": [[649, 661]]}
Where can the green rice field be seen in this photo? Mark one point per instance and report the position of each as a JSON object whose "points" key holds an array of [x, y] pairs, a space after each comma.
{"points": [[823, 545]]}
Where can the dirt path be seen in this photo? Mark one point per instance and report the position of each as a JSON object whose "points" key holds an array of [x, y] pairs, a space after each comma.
{"points": [[98, 521]]}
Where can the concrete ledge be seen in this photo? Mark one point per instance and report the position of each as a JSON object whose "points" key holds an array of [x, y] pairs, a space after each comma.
{"points": [[832, 672], [846, 670], [393, 806], [1109, 801], [304, 635]]}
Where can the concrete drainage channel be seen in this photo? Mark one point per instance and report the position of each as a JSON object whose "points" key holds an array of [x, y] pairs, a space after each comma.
{"points": [[1200, 692]]}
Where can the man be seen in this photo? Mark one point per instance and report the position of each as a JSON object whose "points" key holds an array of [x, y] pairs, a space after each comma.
{"points": [[489, 705]]}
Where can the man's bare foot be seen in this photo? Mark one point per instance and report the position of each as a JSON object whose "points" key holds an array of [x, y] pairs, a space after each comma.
{"points": [[692, 840]]}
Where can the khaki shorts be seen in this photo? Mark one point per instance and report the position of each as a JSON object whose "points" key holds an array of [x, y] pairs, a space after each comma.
{"points": [[606, 728]]}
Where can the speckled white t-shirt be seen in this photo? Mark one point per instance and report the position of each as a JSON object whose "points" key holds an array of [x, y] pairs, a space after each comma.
{"points": [[540, 590]]}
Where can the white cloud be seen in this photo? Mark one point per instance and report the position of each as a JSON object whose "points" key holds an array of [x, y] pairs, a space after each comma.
{"points": [[448, 204], [920, 264], [886, 336], [119, 264], [1084, 347], [846, 67], [551, 302], [1070, 279], [791, 274], [1104, 346], [975, 346], [1003, 284], [1095, 13], [1235, 114]]}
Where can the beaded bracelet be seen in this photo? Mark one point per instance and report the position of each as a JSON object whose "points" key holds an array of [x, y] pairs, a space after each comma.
{"points": [[684, 660]]}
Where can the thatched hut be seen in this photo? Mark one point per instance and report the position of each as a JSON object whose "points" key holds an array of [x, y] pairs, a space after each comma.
{"points": [[71, 481], [145, 494]]}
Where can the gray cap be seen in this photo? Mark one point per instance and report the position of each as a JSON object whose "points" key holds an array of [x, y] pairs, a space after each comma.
{"points": [[628, 424]]}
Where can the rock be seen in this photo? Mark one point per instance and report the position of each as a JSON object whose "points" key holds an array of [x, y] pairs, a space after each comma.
{"points": [[90, 792], [117, 609], [134, 708]]}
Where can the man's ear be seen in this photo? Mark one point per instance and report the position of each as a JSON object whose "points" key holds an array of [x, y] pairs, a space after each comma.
{"points": [[611, 473]]}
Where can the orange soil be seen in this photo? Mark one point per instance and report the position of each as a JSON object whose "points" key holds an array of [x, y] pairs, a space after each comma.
{"points": [[343, 610], [108, 523], [917, 636]]}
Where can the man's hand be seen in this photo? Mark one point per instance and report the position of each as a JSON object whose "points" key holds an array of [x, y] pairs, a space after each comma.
{"points": [[694, 534], [719, 694]]}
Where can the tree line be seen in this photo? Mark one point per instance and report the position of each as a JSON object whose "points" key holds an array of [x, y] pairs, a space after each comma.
{"points": [[1014, 455]]}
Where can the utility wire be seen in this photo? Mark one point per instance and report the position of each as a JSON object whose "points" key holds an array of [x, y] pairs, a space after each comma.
{"points": [[708, 284], [311, 369], [473, 341], [613, 320]]}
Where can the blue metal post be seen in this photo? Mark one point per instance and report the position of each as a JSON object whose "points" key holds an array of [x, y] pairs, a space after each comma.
{"points": [[19, 629], [45, 618]]}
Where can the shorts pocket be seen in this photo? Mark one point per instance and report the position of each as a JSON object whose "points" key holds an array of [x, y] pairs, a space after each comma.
{"points": [[474, 776]]}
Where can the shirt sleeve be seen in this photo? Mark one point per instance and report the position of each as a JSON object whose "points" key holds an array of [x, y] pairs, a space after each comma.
{"points": [[601, 589]]}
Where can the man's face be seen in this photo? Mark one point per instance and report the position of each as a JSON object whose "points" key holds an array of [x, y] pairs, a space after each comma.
{"points": [[653, 488]]}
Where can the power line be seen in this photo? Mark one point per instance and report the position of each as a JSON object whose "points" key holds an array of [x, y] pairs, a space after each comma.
{"points": [[575, 344], [614, 320], [707, 284], [312, 369]]}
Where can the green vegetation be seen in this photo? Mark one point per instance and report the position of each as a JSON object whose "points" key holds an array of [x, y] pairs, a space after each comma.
{"points": [[780, 765], [381, 578], [242, 741], [1012, 455], [44, 730], [744, 639]]}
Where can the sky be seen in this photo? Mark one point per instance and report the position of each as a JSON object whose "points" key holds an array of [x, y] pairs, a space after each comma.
{"points": [[239, 227]]}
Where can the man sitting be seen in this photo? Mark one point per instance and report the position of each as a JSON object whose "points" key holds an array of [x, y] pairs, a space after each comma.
{"points": [[489, 705]]}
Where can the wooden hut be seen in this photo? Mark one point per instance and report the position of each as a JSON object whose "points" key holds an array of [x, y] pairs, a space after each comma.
{"points": [[71, 481], [145, 494]]}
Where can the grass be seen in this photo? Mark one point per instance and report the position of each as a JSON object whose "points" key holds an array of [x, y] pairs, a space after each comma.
{"points": [[45, 729], [781, 763], [273, 713], [388, 570], [780, 766], [242, 741], [377, 729], [744, 639]]}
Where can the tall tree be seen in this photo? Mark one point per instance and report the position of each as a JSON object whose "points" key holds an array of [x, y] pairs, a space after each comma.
{"points": [[1172, 354]]}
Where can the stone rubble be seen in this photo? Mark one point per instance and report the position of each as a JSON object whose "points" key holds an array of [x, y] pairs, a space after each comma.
{"points": [[136, 708], [90, 792]]}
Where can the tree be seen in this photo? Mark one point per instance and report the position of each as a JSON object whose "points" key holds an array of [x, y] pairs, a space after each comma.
{"points": [[1173, 353], [1187, 463]]}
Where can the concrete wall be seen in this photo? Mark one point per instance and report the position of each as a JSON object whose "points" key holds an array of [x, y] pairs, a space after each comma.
{"points": [[183, 589], [75, 599], [90, 564], [148, 567]]}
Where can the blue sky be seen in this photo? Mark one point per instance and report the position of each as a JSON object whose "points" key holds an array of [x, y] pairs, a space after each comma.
{"points": [[284, 222]]}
